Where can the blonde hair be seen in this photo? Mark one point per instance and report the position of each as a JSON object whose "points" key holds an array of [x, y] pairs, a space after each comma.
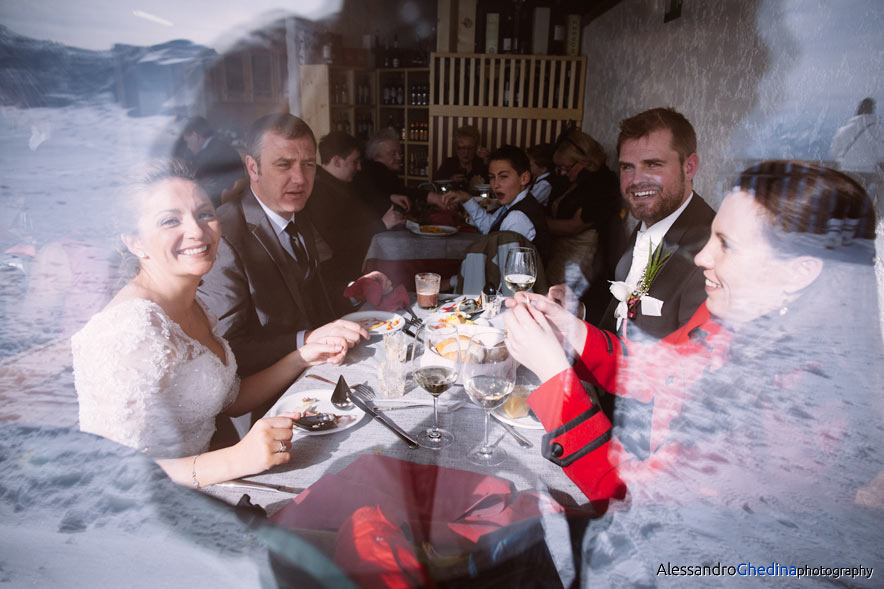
{"points": [[576, 146]]}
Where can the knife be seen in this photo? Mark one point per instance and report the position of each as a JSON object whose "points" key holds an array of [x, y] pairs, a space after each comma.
{"points": [[256, 486], [522, 440], [363, 404]]}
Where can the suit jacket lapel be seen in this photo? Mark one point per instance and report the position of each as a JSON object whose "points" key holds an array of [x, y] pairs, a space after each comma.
{"points": [[264, 232]]}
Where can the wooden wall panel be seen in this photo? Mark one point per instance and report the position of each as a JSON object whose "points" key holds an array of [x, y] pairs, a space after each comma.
{"points": [[517, 99]]}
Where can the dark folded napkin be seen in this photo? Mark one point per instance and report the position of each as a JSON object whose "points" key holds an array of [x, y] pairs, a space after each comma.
{"points": [[369, 290]]}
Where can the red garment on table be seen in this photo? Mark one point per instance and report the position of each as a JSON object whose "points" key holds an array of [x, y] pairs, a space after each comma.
{"points": [[369, 290], [579, 435]]}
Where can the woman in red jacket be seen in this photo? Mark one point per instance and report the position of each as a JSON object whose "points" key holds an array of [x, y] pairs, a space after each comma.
{"points": [[770, 385]]}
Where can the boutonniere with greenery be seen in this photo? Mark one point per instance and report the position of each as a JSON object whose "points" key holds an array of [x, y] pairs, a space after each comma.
{"points": [[630, 299]]}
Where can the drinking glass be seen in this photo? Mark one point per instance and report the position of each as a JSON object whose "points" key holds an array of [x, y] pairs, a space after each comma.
{"points": [[435, 362], [489, 374], [427, 289], [520, 270]]}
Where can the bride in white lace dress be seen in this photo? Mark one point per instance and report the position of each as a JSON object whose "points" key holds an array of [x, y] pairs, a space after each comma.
{"points": [[150, 370]]}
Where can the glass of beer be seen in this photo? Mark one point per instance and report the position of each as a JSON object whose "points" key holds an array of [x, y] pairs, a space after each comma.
{"points": [[427, 287]]}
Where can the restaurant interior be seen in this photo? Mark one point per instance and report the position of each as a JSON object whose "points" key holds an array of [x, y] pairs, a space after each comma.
{"points": [[758, 80]]}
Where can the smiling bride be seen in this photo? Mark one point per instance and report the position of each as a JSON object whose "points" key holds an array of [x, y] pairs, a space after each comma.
{"points": [[150, 370]]}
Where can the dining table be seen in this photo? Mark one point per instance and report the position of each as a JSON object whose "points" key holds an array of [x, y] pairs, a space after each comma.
{"points": [[313, 456], [401, 253]]}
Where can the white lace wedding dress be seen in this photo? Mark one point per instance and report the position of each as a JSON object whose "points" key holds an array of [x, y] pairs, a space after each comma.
{"points": [[141, 381]]}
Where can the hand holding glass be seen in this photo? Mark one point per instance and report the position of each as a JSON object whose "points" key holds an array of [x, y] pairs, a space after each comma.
{"points": [[520, 269], [435, 362], [489, 374]]}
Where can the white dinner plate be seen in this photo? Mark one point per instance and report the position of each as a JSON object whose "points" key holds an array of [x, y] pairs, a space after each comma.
{"points": [[368, 319], [294, 402], [526, 422], [433, 230]]}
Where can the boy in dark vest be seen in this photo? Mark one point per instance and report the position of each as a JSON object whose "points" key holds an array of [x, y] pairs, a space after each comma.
{"points": [[509, 171]]}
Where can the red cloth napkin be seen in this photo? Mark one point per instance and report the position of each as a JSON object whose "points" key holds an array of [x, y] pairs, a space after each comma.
{"points": [[369, 290]]}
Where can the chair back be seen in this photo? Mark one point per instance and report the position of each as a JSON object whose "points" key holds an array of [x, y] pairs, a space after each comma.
{"points": [[485, 260]]}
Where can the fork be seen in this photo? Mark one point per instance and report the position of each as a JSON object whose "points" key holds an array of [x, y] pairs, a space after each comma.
{"points": [[415, 321], [366, 391]]}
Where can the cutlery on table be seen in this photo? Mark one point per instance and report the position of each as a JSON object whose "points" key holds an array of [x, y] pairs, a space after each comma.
{"points": [[340, 398], [320, 378], [442, 408], [256, 486], [359, 398], [522, 440]]}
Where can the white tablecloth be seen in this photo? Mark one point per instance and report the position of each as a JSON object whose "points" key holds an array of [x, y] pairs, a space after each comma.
{"points": [[314, 456]]}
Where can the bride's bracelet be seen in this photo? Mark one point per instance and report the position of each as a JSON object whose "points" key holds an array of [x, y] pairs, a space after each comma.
{"points": [[196, 483]]}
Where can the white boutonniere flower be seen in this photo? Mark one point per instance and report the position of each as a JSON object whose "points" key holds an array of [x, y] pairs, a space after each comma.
{"points": [[630, 299]]}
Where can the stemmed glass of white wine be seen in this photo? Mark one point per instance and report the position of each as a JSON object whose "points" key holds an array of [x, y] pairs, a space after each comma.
{"points": [[489, 374], [520, 269], [435, 362]]}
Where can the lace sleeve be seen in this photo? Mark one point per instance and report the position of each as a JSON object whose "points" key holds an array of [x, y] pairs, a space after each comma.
{"points": [[123, 360]]}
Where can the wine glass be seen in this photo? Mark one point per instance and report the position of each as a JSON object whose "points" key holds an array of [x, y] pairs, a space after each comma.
{"points": [[489, 374], [435, 363], [520, 269]]}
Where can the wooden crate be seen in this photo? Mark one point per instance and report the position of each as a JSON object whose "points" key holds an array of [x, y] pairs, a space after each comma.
{"points": [[517, 99]]}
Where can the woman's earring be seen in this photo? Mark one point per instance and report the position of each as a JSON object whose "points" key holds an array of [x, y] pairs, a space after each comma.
{"points": [[141, 255]]}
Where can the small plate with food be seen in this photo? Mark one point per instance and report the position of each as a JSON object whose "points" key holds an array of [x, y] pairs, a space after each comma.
{"points": [[457, 319], [377, 322], [432, 230], [463, 304], [318, 416], [515, 410]]}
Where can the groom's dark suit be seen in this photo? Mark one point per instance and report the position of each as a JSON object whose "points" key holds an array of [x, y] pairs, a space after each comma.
{"points": [[680, 283], [255, 287], [681, 286]]}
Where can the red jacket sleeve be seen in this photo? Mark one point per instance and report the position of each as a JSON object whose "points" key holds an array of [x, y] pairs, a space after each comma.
{"points": [[578, 437]]}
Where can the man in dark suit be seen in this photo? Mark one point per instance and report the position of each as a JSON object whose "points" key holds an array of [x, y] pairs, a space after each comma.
{"points": [[216, 164], [658, 161], [345, 223], [657, 150], [265, 286]]}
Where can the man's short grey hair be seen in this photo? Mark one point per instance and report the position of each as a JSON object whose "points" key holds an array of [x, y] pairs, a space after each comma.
{"points": [[373, 147]]}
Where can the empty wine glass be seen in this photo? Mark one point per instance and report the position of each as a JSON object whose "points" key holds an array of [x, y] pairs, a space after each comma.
{"points": [[435, 362], [489, 374], [520, 269]]}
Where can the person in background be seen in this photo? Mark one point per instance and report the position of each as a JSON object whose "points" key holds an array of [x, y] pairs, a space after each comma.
{"points": [[217, 166], [584, 218], [542, 177], [858, 147], [469, 165], [510, 173], [151, 370], [344, 223], [379, 181], [762, 400]]}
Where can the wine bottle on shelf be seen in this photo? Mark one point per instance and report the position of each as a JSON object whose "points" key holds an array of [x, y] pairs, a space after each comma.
{"points": [[395, 59], [507, 33]]}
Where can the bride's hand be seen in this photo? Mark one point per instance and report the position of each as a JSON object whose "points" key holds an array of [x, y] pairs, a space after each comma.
{"points": [[329, 349], [267, 444], [533, 342]]}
